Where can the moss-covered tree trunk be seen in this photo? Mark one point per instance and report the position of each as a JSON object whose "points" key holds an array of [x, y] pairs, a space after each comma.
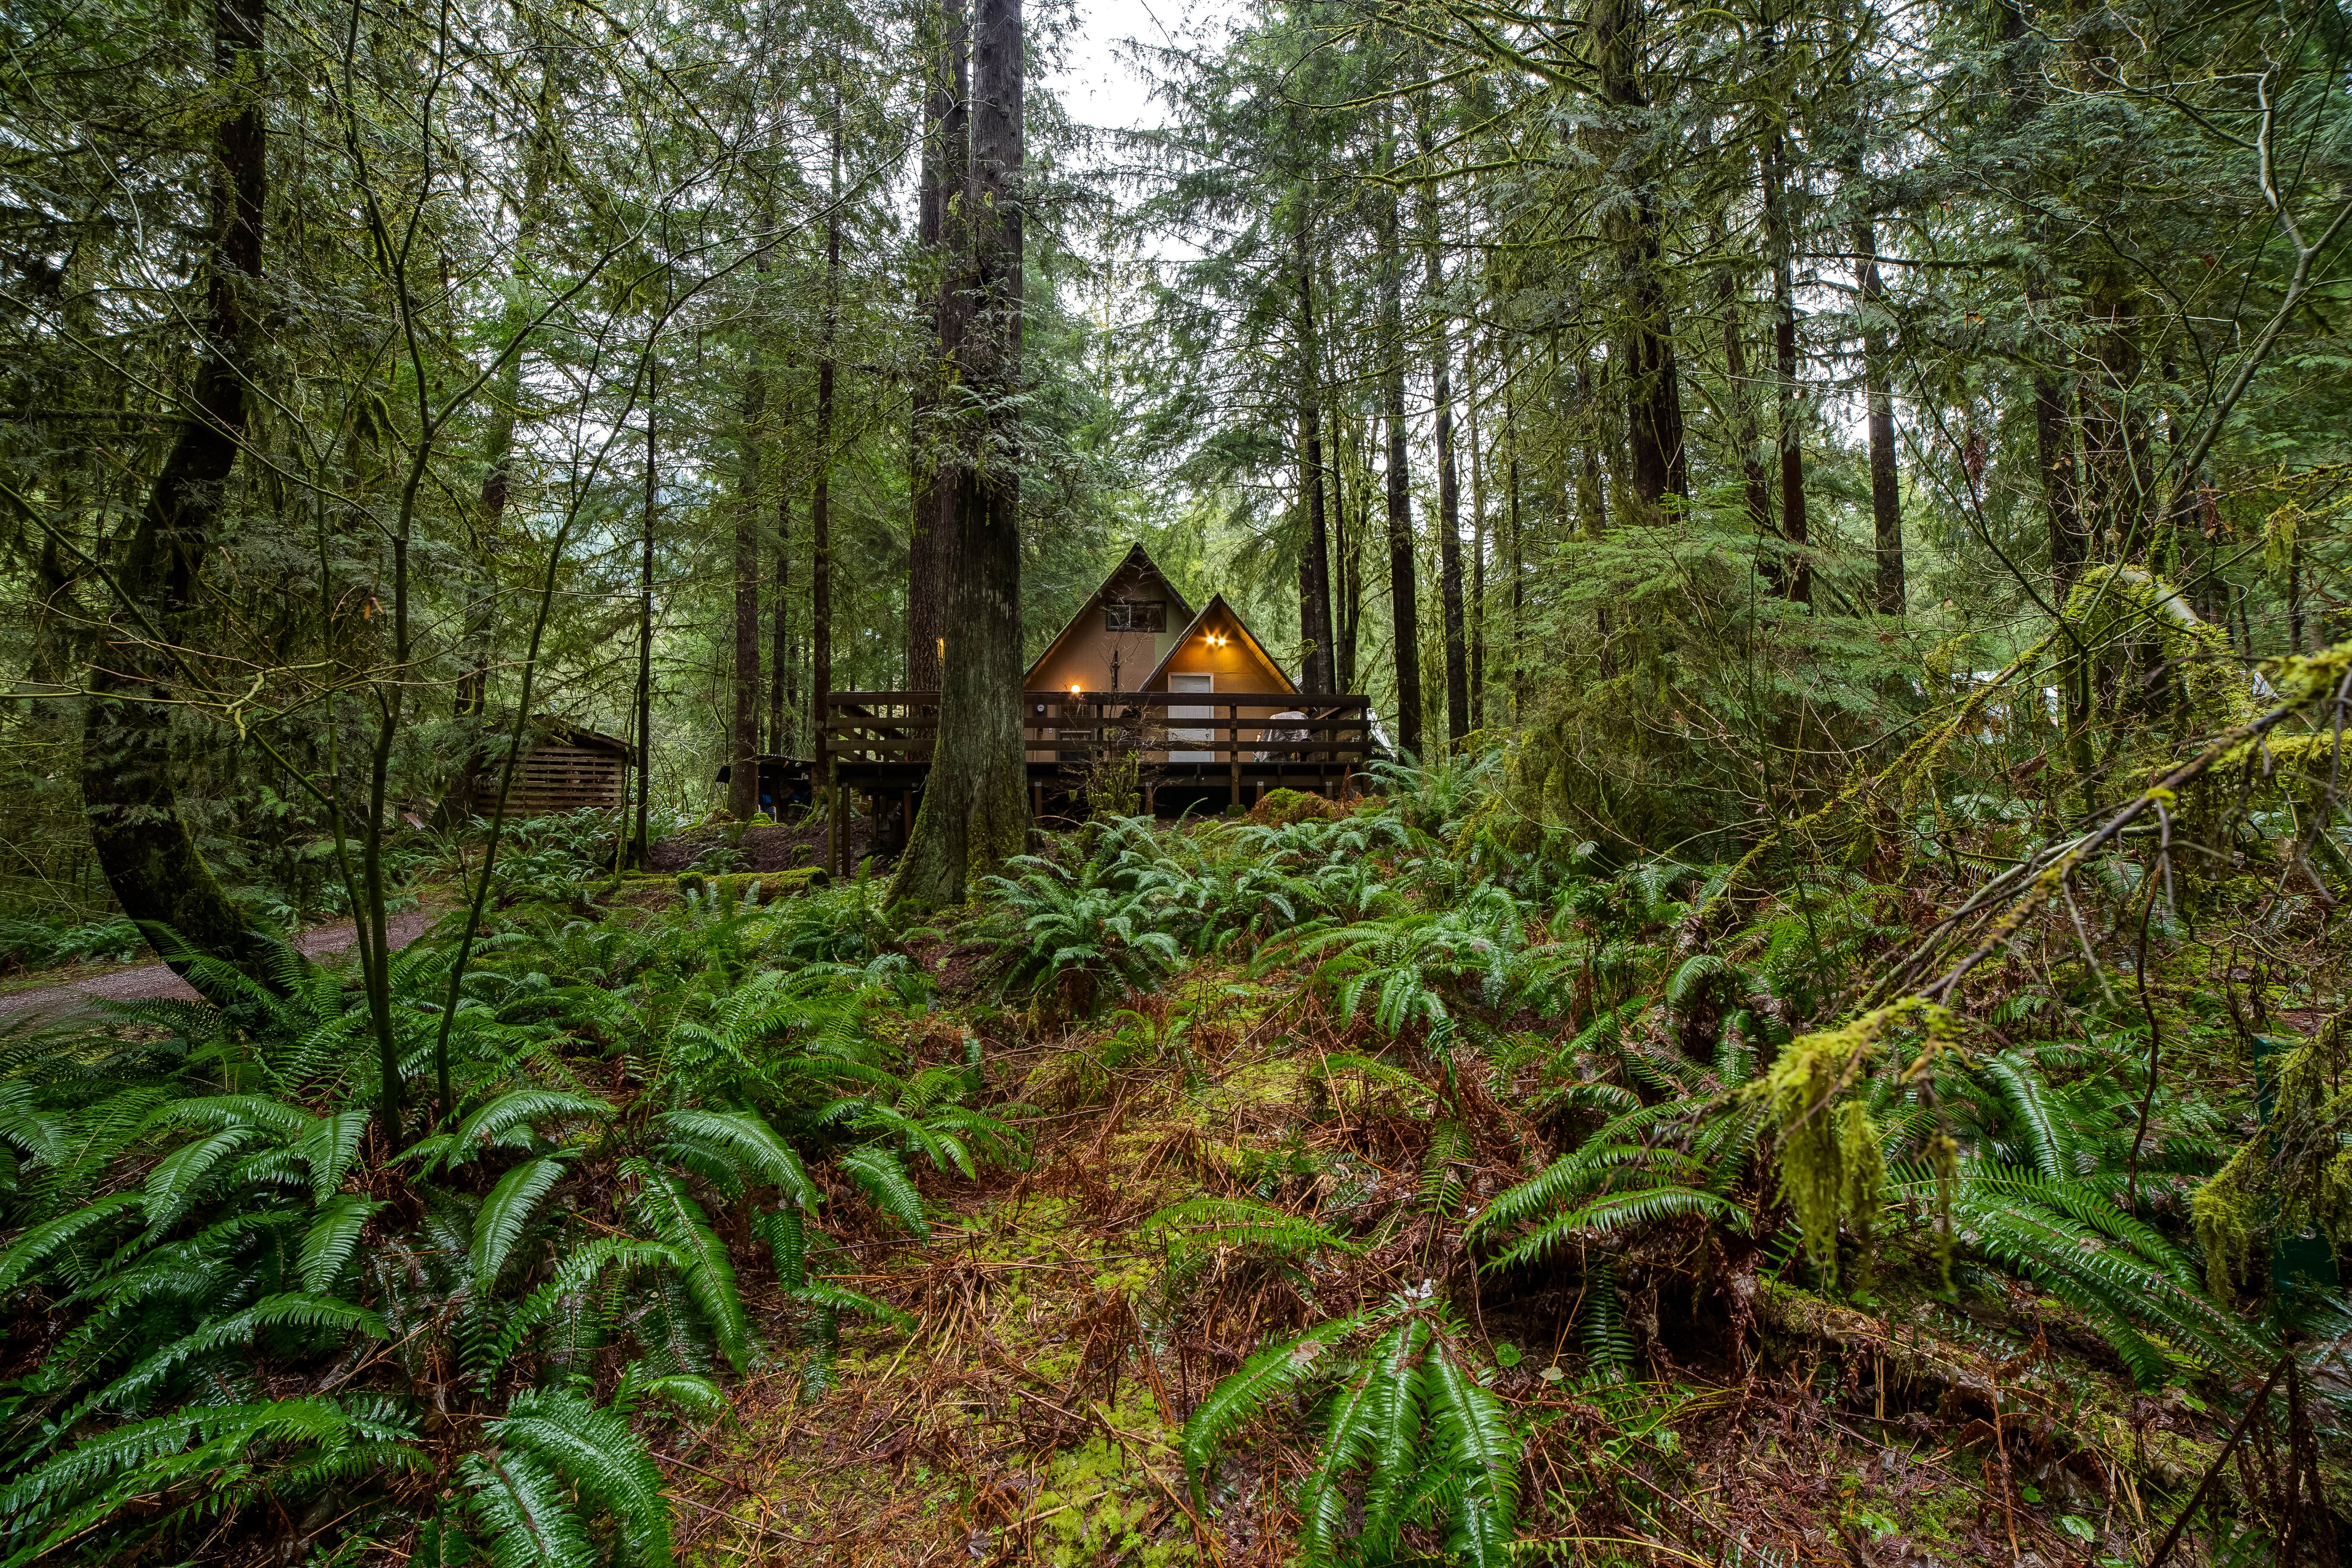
{"points": [[136, 681], [1403, 587], [975, 811]]}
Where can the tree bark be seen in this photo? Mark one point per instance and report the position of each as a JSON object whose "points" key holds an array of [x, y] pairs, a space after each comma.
{"points": [[1348, 548], [1476, 609], [1794, 576], [821, 501], [743, 739], [975, 810], [471, 707], [782, 713], [1449, 494], [1747, 433], [1315, 669], [641, 846], [930, 528], [143, 843], [1518, 599], [1658, 465], [1404, 593]]}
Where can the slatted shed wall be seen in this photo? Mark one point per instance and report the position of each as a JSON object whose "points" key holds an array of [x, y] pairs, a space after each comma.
{"points": [[556, 778]]}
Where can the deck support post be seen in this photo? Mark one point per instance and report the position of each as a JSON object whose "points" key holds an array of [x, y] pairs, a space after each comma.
{"points": [[1234, 751], [837, 841]]}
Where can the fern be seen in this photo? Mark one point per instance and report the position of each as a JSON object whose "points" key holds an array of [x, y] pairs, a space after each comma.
{"points": [[34, 1247], [1479, 1456], [709, 1278], [1435, 1441], [598, 1452], [138, 1463], [884, 1180], [522, 1509], [1242, 1397], [332, 1238], [1203, 1224], [752, 1144], [505, 1215]]}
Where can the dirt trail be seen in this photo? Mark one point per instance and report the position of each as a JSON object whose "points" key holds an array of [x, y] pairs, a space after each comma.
{"points": [[156, 980]]}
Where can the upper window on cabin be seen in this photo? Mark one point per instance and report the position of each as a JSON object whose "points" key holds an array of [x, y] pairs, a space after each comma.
{"points": [[1135, 615]]}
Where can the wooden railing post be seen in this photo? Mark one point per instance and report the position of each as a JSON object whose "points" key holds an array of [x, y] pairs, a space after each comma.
{"points": [[1233, 749]]}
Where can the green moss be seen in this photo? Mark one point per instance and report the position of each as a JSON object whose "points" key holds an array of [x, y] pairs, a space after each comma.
{"points": [[731, 888], [1285, 807], [1831, 1169]]}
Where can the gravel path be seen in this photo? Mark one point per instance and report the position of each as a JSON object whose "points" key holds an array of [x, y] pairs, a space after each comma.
{"points": [[156, 980]]}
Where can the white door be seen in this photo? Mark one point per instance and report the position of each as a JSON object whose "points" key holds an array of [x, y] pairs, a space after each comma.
{"points": [[1177, 713]]}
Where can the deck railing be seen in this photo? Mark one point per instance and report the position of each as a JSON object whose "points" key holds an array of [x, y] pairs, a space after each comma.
{"points": [[1237, 731]]}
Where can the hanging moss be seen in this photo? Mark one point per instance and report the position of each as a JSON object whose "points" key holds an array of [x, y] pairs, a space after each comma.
{"points": [[2298, 1176], [1832, 1170], [2131, 609]]}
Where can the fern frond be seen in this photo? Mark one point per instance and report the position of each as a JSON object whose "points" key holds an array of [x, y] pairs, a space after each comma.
{"points": [[33, 1248], [522, 1509], [172, 1185], [1239, 1398], [709, 1278], [522, 1107], [1394, 1420], [1481, 1455], [754, 1144], [597, 1449], [2029, 1101], [1618, 1211], [879, 1175], [1203, 1223], [504, 1216], [293, 1311], [333, 1237]]}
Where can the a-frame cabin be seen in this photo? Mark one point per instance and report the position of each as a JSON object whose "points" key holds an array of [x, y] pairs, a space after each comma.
{"points": [[1212, 715]]}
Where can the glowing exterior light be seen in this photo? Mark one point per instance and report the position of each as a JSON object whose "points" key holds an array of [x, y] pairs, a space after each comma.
{"points": [[1073, 689]]}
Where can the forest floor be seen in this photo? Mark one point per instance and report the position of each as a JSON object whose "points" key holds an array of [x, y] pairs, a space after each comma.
{"points": [[1034, 1414], [56, 994], [784, 847]]}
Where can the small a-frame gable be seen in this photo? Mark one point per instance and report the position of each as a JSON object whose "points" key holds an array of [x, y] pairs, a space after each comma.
{"points": [[1127, 626], [1218, 642]]}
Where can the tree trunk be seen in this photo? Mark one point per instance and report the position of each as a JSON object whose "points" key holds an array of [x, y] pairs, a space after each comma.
{"points": [[1794, 575], [641, 847], [149, 856], [1747, 433], [1658, 465], [975, 810], [471, 707], [1518, 600], [930, 530], [2054, 433], [1404, 593], [1476, 609], [1449, 495], [1347, 546], [1877, 372], [821, 501], [743, 736], [780, 711], [1315, 669], [1591, 498]]}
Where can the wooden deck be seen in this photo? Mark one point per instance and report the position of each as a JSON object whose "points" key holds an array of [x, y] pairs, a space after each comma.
{"points": [[1215, 749]]}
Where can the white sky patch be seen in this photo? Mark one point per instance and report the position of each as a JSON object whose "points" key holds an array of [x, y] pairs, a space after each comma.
{"points": [[1103, 88]]}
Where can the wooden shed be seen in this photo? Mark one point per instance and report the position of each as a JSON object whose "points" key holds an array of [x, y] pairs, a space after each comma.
{"points": [[566, 767]]}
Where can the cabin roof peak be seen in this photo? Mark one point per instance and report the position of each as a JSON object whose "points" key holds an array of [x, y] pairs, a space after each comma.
{"points": [[1217, 609], [1136, 563]]}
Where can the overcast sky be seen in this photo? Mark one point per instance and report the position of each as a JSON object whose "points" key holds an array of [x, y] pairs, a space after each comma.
{"points": [[1100, 88]]}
